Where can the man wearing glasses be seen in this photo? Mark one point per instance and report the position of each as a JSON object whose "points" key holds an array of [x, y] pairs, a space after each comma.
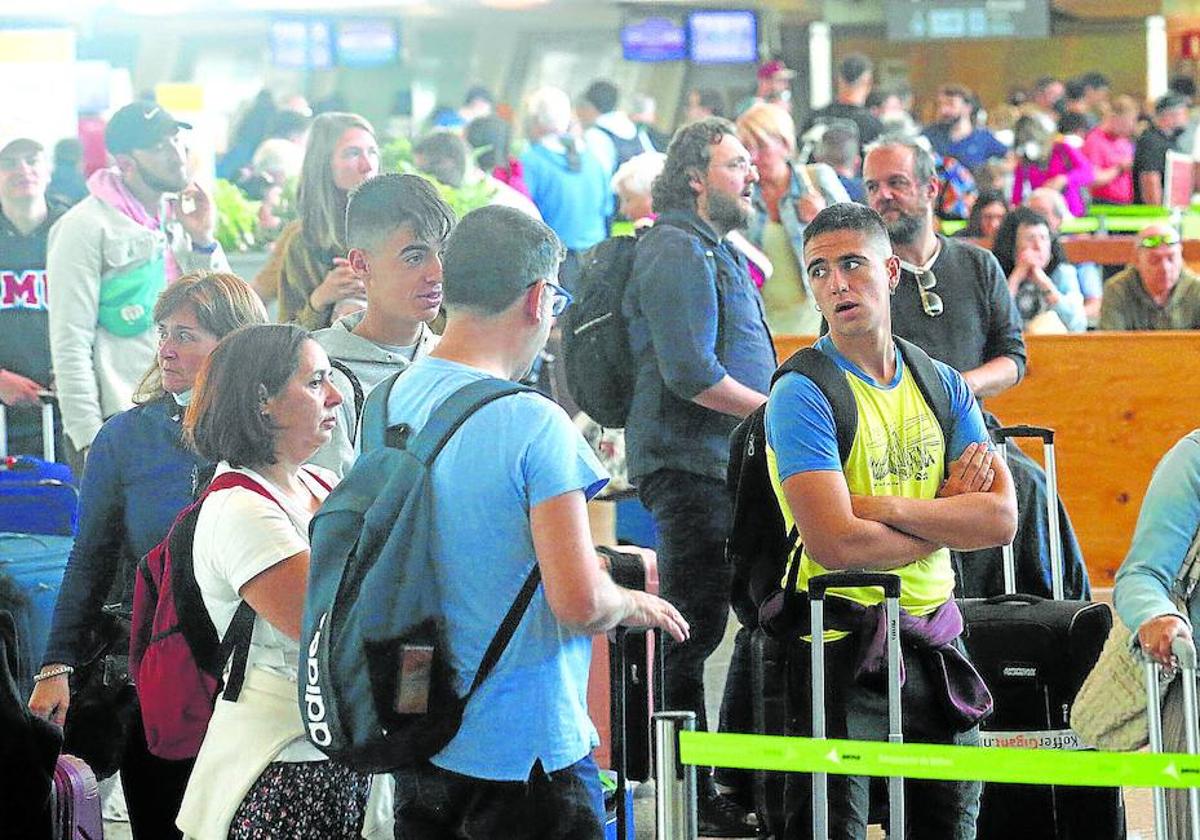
{"points": [[1157, 292], [509, 492], [25, 220], [953, 302], [142, 226], [704, 360]]}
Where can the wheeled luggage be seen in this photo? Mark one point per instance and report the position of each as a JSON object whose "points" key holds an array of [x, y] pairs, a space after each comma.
{"points": [[75, 805], [768, 680], [817, 586], [622, 696], [1034, 654], [33, 566], [37, 496], [1185, 657]]}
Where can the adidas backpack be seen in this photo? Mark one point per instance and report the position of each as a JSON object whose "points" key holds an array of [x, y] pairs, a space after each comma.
{"points": [[375, 690], [759, 544]]}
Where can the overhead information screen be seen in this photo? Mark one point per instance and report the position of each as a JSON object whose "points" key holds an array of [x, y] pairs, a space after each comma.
{"points": [[935, 20]]}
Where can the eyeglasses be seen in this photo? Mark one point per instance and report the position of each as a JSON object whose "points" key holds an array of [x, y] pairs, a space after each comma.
{"points": [[1157, 239], [931, 301], [562, 298], [740, 165]]}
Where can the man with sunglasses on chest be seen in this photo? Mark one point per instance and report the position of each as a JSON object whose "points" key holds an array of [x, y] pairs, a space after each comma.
{"points": [[704, 360], [953, 302], [1157, 292]]}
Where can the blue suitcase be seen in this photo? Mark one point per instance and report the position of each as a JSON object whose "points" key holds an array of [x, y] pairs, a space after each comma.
{"points": [[37, 496], [33, 566]]}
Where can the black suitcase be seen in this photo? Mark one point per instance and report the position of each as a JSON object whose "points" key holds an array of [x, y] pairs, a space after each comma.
{"points": [[768, 670], [1034, 654]]}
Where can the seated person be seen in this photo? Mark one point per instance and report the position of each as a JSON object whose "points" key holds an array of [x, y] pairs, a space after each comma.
{"points": [[1043, 284], [1157, 292], [987, 213], [1052, 207]]}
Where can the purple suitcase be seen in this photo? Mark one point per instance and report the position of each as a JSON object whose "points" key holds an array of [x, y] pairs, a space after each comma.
{"points": [[75, 808]]}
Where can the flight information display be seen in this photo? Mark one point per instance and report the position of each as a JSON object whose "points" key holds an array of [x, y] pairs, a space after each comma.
{"points": [[934, 20]]}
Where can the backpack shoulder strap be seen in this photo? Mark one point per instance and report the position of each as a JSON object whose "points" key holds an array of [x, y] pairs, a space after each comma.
{"points": [[373, 423], [831, 380], [507, 628], [454, 411], [929, 383], [356, 387]]}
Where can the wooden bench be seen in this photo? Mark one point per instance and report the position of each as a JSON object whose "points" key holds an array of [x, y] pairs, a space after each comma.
{"points": [[1116, 250], [1118, 401]]}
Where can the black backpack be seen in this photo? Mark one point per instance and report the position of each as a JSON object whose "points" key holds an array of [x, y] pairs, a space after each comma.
{"points": [[759, 544], [625, 147], [595, 337]]}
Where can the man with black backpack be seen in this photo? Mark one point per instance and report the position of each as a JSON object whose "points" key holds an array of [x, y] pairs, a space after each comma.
{"points": [[396, 226], [702, 359], [880, 460], [508, 495]]}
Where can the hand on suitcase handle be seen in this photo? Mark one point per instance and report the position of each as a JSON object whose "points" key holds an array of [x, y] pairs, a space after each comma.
{"points": [[648, 610], [51, 698], [1157, 637], [18, 390]]}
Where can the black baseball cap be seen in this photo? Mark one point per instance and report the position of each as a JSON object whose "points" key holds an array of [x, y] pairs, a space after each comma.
{"points": [[139, 125]]}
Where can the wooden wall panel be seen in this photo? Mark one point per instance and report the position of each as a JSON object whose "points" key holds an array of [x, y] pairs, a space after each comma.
{"points": [[1119, 401]]}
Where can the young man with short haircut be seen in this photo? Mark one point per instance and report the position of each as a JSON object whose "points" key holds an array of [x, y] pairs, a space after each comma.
{"points": [[396, 227], [892, 505], [509, 491]]}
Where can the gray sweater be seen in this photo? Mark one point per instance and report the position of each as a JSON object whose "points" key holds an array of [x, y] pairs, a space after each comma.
{"points": [[371, 364]]}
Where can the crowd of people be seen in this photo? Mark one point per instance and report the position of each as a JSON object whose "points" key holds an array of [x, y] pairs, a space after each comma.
{"points": [[166, 375]]}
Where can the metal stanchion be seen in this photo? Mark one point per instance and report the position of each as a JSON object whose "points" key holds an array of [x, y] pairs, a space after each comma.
{"points": [[675, 782]]}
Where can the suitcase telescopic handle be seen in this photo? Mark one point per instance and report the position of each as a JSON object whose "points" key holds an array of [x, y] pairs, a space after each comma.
{"points": [[1006, 432], [888, 582]]}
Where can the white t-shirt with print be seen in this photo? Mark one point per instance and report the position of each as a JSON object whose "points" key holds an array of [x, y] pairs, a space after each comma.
{"points": [[239, 535]]}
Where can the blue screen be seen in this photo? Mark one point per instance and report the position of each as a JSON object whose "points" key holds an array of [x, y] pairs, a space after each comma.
{"points": [[654, 39], [300, 43], [723, 37], [367, 43]]}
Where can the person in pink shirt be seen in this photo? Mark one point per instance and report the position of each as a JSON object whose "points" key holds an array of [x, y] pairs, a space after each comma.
{"points": [[1109, 148], [1045, 161]]}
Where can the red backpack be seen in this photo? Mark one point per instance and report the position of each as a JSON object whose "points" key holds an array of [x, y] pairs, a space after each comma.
{"points": [[176, 658]]}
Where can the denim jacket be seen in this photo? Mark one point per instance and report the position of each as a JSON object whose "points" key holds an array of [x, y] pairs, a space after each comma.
{"points": [[694, 317], [1166, 526], [824, 179]]}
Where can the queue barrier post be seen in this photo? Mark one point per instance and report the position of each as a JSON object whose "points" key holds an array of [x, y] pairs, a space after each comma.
{"points": [[675, 781]]}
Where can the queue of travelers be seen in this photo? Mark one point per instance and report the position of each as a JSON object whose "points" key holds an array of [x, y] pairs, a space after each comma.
{"points": [[738, 237]]}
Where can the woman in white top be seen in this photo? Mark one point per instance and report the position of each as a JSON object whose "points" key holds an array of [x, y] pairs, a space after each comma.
{"points": [[263, 405]]}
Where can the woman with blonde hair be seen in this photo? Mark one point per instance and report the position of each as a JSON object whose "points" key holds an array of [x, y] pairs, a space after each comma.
{"points": [[139, 476], [786, 198], [308, 270]]}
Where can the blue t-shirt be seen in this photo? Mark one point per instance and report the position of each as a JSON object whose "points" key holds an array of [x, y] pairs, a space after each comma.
{"points": [[511, 456], [974, 150]]}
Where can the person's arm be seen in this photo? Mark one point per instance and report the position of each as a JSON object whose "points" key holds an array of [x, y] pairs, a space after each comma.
{"points": [[581, 594], [677, 293], [73, 264], [1081, 172], [1150, 185], [1166, 526], [93, 563], [1069, 299], [277, 593], [269, 279], [1004, 350], [835, 537]]}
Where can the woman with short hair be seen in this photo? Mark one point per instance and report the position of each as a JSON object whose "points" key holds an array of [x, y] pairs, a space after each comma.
{"points": [[264, 404]]}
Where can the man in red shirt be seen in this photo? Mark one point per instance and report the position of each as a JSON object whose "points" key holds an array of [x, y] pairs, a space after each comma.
{"points": [[1109, 147]]}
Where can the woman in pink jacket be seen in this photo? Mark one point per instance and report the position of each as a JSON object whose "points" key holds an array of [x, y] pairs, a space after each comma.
{"points": [[1044, 160]]}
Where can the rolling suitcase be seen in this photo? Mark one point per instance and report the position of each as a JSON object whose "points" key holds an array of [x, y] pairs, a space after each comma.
{"points": [[32, 567], [75, 806], [36, 496], [890, 584], [1034, 654], [1185, 656], [768, 669]]}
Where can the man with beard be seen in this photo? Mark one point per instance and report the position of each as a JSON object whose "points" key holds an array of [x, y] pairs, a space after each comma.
{"points": [[953, 302], [955, 133], [141, 227], [704, 360]]}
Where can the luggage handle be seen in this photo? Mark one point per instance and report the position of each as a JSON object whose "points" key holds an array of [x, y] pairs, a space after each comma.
{"points": [[1015, 598], [1057, 572], [889, 583], [817, 586], [1185, 655], [47, 400]]}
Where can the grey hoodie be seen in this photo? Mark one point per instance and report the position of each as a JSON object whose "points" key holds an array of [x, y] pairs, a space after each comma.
{"points": [[371, 364]]}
